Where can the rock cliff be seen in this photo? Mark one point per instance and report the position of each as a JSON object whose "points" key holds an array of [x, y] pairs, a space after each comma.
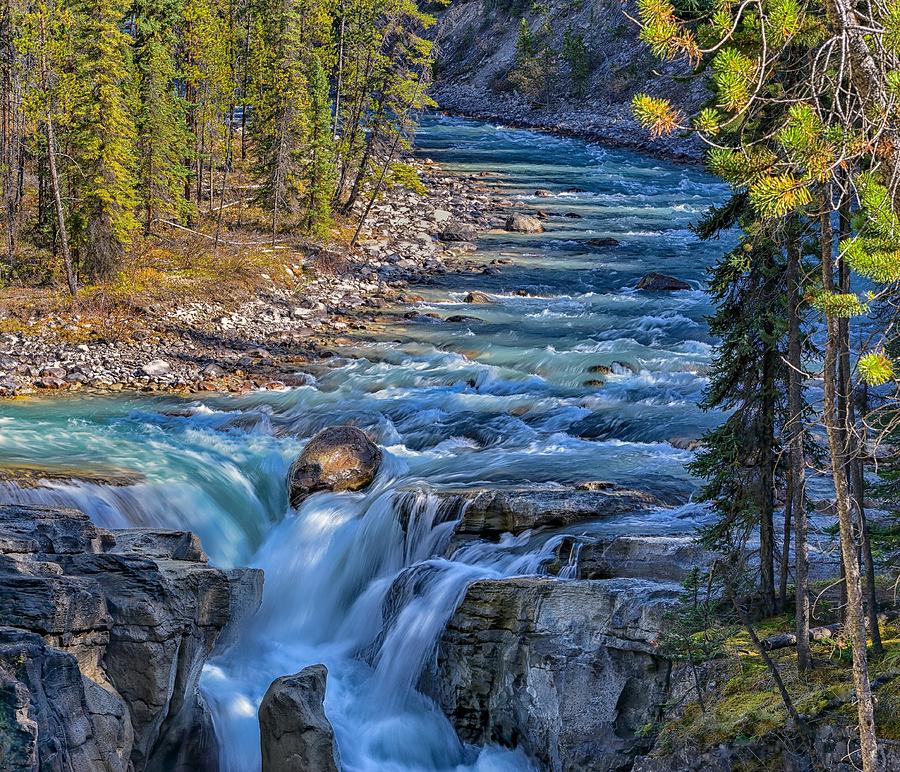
{"points": [[103, 638], [567, 670]]}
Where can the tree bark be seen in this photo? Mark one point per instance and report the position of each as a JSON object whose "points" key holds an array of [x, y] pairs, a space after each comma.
{"points": [[855, 618], [796, 457], [60, 214]]}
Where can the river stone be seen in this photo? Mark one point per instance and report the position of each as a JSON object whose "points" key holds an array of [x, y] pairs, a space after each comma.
{"points": [[156, 368], [478, 297], [568, 671], [660, 282], [606, 241], [341, 458], [664, 558], [523, 223], [295, 735], [458, 232]]}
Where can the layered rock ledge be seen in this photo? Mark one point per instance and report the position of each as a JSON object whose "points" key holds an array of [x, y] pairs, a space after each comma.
{"points": [[567, 670], [103, 635]]}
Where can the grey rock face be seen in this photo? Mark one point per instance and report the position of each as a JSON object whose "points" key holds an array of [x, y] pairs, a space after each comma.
{"points": [[295, 734], [566, 670], [105, 640], [666, 558], [341, 458]]}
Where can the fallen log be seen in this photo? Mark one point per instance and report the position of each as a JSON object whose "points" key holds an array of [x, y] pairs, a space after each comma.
{"points": [[784, 640]]}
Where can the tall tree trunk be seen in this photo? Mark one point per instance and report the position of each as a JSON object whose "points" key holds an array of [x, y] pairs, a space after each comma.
{"points": [[796, 456], [339, 80], [767, 485], [60, 213], [784, 568], [855, 619]]}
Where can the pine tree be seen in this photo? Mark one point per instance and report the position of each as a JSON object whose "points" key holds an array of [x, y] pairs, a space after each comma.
{"points": [[748, 380], [101, 138], [318, 153], [163, 139]]}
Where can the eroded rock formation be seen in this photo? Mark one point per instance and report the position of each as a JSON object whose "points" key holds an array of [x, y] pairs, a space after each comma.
{"points": [[105, 634], [567, 670]]}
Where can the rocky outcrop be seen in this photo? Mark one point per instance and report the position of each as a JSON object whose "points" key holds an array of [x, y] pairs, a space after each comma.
{"points": [[836, 749], [295, 734], [490, 513], [666, 558], [660, 282], [341, 458], [567, 670], [105, 634], [523, 223]]}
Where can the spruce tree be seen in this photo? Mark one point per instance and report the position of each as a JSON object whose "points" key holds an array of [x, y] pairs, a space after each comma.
{"points": [[163, 139], [318, 162], [102, 137]]}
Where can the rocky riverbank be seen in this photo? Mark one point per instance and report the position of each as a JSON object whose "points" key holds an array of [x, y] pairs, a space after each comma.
{"points": [[269, 340]]}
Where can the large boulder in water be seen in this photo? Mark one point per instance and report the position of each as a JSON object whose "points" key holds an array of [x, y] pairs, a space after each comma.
{"points": [[294, 733], [341, 458], [523, 223], [660, 282]]}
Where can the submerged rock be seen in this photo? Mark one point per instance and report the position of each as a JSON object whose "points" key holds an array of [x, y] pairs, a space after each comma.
{"points": [[341, 458], [523, 223], [606, 241], [568, 671], [104, 641], [478, 297], [295, 735], [660, 282]]}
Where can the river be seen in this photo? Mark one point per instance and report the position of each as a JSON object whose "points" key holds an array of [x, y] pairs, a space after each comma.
{"points": [[503, 399]]}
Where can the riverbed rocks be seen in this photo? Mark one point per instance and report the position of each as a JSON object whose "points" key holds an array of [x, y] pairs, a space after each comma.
{"points": [[569, 671], [523, 223], [341, 458], [458, 231], [481, 298], [104, 639], [660, 282], [295, 734]]}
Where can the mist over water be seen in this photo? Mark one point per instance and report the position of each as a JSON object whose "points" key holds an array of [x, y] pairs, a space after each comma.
{"points": [[505, 399]]}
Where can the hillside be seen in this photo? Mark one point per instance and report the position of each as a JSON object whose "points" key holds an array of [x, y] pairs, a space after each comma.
{"points": [[477, 62]]}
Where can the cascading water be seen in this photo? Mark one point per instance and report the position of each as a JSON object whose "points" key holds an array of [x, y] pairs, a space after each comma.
{"points": [[362, 582]]}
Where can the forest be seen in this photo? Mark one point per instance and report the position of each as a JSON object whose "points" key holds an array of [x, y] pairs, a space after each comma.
{"points": [[121, 120]]}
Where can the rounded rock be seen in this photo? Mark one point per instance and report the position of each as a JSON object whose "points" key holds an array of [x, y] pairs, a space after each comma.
{"points": [[340, 458]]}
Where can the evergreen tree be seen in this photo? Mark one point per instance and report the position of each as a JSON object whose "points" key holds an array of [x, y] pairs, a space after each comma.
{"points": [[101, 139], [748, 379], [318, 153], [163, 139], [574, 53]]}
